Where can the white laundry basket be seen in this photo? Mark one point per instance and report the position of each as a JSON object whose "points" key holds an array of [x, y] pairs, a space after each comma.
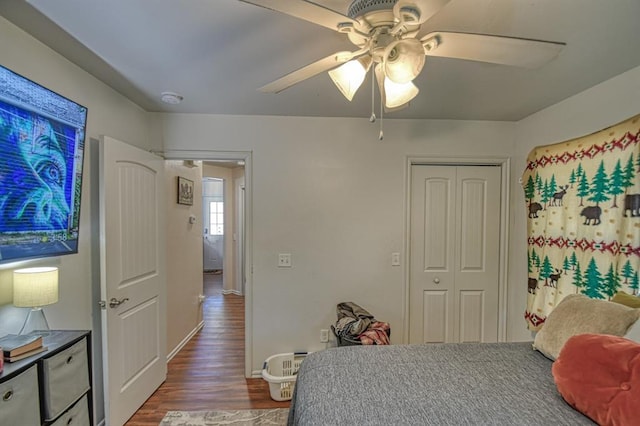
{"points": [[280, 371]]}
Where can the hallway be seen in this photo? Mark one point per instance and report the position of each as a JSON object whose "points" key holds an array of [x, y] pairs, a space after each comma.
{"points": [[208, 373]]}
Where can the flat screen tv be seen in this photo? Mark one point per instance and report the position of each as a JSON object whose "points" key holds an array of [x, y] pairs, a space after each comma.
{"points": [[42, 136]]}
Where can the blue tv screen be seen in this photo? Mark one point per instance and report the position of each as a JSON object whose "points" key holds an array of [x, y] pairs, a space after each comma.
{"points": [[42, 136]]}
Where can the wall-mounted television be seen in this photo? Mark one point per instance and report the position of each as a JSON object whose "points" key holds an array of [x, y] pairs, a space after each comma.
{"points": [[42, 136]]}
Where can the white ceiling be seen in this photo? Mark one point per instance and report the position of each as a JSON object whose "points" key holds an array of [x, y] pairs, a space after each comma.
{"points": [[216, 53]]}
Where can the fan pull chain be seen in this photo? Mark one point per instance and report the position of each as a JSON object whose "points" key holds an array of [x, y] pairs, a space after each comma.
{"points": [[381, 136], [372, 119]]}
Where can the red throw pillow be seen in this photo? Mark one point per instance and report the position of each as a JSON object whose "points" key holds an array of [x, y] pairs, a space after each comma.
{"points": [[599, 375]]}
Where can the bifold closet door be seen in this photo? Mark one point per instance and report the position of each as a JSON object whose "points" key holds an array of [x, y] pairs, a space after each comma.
{"points": [[454, 253]]}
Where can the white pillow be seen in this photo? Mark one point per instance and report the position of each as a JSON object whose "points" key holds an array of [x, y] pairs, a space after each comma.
{"points": [[634, 332], [579, 314]]}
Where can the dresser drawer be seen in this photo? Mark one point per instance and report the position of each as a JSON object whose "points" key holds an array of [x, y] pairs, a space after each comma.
{"points": [[19, 401], [65, 379], [78, 415]]}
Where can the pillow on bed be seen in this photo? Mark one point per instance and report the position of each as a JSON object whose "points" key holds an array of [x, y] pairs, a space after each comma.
{"points": [[579, 314], [626, 299], [634, 332], [599, 376]]}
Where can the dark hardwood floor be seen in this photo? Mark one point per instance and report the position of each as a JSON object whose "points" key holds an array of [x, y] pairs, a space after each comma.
{"points": [[208, 373]]}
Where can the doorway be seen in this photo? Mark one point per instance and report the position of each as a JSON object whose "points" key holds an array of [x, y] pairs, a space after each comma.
{"points": [[239, 238], [213, 222], [456, 240], [223, 222]]}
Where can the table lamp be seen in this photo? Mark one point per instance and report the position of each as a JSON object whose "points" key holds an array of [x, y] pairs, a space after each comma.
{"points": [[34, 288]]}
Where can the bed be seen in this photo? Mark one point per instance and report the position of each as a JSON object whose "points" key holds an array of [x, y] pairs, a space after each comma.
{"points": [[437, 384], [596, 370]]}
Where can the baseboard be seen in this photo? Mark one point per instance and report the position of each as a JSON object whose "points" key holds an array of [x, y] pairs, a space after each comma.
{"points": [[184, 341], [256, 374], [236, 292]]}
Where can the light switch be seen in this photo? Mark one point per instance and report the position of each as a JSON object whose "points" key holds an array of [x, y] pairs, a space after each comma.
{"points": [[395, 259], [284, 260]]}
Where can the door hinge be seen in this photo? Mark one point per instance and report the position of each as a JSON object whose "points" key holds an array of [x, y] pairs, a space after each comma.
{"points": [[102, 304]]}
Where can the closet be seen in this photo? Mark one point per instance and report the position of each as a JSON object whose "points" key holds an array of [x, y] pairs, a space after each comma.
{"points": [[454, 263]]}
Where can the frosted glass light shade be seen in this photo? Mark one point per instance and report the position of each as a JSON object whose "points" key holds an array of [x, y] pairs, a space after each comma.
{"points": [[349, 76], [398, 94], [35, 287], [403, 60]]}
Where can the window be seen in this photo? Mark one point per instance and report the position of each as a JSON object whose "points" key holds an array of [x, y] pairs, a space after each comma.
{"points": [[216, 218]]}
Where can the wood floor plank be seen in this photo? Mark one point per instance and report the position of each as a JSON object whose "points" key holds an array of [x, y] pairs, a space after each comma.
{"points": [[208, 373]]}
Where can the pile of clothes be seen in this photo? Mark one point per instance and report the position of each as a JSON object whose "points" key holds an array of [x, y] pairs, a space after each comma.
{"points": [[355, 323]]}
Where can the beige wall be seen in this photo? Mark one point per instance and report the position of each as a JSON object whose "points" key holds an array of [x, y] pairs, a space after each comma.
{"points": [[594, 109], [109, 113], [184, 257], [330, 193]]}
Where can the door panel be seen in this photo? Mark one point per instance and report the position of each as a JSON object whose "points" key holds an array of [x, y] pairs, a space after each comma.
{"points": [[437, 207], [454, 251], [132, 206], [477, 269], [433, 254], [436, 314], [472, 316], [472, 238], [138, 252], [136, 322], [213, 252]]}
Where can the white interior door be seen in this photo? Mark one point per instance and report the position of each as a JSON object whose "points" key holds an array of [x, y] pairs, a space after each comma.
{"points": [[240, 239], [132, 221], [454, 254]]}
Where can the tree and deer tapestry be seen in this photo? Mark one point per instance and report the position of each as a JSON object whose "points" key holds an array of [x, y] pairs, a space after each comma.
{"points": [[583, 227]]}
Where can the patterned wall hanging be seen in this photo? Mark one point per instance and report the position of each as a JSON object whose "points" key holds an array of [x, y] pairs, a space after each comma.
{"points": [[583, 227]]}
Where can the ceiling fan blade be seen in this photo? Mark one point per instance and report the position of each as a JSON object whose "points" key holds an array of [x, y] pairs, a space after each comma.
{"points": [[309, 71], [519, 52], [425, 8], [307, 11]]}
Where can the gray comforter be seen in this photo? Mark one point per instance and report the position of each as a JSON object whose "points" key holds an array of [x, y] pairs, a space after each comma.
{"points": [[442, 384]]}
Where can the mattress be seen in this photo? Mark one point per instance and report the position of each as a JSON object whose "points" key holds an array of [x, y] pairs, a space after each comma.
{"points": [[434, 384]]}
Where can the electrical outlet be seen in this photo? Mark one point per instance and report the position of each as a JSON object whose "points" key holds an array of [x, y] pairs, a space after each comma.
{"points": [[284, 260], [324, 335], [395, 259]]}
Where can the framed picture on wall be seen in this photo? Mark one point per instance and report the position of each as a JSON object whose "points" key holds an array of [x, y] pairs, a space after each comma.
{"points": [[185, 191]]}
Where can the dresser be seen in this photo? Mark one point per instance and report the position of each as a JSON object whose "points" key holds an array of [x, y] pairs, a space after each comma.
{"points": [[52, 387]]}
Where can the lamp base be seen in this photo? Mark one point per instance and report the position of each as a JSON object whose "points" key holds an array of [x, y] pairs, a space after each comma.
{"points": [[35, 321]]}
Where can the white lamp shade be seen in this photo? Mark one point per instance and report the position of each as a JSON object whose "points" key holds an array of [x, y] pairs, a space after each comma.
{"points": [[35, 287], [349, 76], [397, 94], [403, 60]]}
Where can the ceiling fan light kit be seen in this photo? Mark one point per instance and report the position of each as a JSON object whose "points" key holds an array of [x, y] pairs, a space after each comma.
{"points": [[398, 94], [388, 36], [349, 76], [403, 60]]}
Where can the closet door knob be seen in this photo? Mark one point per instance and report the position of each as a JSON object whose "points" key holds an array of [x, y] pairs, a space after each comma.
{"points": [[436, 280], [114, 303]]}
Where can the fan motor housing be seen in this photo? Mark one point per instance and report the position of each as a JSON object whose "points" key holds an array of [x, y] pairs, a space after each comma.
{"points": [[377, 15], [360, 8]]}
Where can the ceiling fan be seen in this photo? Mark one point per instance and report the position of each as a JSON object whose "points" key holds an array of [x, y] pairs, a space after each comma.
{"points": [[389, 39]]}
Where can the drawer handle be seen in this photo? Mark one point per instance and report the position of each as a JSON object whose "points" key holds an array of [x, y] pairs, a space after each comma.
{"points": [[70, 359], [7, 395]]}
